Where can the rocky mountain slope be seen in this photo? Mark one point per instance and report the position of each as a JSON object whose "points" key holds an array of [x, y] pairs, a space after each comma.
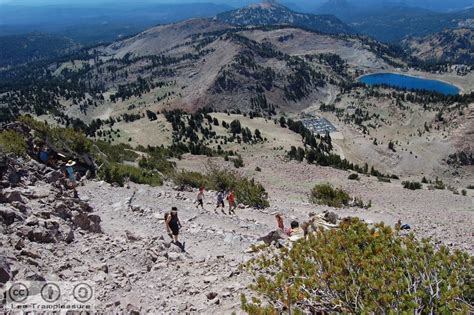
{"points": [[115, 236], [452, 45], [198, 63], [272, 13]]}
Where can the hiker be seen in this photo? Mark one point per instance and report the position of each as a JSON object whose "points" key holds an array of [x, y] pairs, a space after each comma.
{"points": [[220, 201], [296, 232], [200, 198], [71, 177], [231, 200], [280, 224], [43, 155], [173, 224]]}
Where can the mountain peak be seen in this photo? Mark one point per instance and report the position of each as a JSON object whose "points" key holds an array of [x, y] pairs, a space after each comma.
{"points": [[267, 4], [272, 13]]}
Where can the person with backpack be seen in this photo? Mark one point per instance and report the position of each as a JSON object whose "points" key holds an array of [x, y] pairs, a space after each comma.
{"points": [[173, 225], [231, 200], [220, 201], [71, 177]]}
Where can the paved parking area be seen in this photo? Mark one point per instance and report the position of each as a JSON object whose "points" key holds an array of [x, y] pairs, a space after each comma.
{"points": [[319, 125]]}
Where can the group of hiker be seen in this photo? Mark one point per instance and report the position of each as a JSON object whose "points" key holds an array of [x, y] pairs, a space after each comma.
{"points": [[220, 197], [172, 223]]}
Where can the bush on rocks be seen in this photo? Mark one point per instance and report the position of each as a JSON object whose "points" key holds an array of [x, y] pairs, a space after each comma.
{"points": [[120, 173], [64, 139], [353, 176], [12, 142], [411, 185], [326, 194], [362, 269]]}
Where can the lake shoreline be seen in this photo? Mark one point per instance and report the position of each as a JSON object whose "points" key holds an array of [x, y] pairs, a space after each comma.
{"points": [[445, 88]]}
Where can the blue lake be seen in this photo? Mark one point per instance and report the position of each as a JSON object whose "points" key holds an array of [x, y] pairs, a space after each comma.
{"points": [[408, 82]]}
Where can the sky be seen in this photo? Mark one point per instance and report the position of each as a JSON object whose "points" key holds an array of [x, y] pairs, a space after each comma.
{"points": [[433, 4]]}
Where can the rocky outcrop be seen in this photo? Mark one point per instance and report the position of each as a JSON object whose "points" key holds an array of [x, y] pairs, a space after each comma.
{"points": [[36, 211]]}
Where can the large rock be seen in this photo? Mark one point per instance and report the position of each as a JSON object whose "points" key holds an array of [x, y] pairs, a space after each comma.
{"points": [[41, 234], [62, 210], [9, 195], [88, 222], [53, 176], [5, 271], [9, 216], [273, 236]]}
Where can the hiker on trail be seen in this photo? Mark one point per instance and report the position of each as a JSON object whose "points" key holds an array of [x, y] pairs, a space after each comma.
{"points": [[173, 224], [71, 177], [220, 201], [200, 198], [43, 155], [280, 223], [296, 232], [231, 200]]}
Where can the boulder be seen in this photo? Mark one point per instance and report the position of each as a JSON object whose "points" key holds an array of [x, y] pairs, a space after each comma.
{"points": [[34, 276], [41, 234], [174, 256], [53, 176], [88, 222], [271, 237], [331, 217], [67, 233], [5, 271], [62, 210], [131, 237], [9, 195], [211, 295], [32, 221], [9, 216]]}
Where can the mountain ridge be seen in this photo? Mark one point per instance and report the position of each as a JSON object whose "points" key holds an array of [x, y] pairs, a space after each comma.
{"points": [[273, 13], [450, 45]]}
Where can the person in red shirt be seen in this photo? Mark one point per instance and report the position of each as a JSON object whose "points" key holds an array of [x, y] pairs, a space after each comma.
{"points": [[280, 223], [231, 200]]}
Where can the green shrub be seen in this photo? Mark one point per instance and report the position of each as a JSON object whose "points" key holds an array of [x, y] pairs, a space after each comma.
{"points": [[358, 202], [192, 179], [119, 173], [258, 169], [238, 162], [115, 153], [353, 176], [411, 185], [384, 179], [63, 139], [438, 184], [358, 269], [156, 163], [13, 142], [464, 192], [424, 180], [325, 194]]}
